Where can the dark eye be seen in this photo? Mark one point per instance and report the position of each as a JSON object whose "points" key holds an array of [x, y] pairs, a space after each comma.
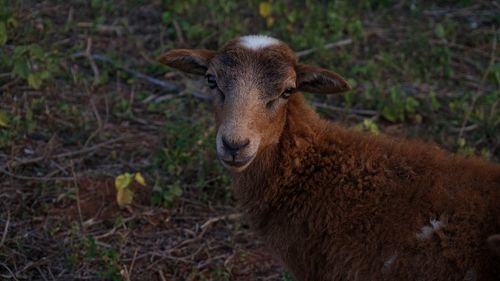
{"points": [[212, 82], [286, 94]]}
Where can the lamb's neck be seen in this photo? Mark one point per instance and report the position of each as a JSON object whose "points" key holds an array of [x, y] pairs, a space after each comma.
{"points": [[300, 130], [258, 183]]}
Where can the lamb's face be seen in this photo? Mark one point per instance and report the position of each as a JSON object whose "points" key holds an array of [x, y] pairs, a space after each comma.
{"points": [[251, 79]]}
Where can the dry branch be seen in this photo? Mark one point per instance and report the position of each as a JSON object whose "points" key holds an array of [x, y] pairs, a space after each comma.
{"points": [[157, 82], [365, 112], [19, 161], [5, 230], [340, 43]]}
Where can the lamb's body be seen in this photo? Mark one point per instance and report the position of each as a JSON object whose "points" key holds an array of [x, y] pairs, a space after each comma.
{"points": [[337, 204]]}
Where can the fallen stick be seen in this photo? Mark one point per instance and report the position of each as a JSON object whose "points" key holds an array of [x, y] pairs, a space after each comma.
{"points": [[340, 43], [157, 82], [365, 112]]}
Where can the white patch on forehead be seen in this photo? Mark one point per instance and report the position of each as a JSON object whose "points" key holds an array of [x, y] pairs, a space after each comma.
{"points": [[255, 42]]}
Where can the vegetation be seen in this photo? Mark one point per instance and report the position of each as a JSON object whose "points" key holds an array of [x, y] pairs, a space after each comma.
{"points": [[83, 102]]}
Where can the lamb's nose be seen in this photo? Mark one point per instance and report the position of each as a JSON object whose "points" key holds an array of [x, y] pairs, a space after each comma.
{"points": [[234, 147]]}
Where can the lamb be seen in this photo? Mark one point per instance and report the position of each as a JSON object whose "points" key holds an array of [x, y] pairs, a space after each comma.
{"points": [[333, 203]]}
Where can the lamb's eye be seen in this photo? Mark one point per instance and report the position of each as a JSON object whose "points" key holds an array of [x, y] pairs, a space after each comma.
{"points": [[212, 82], [286, 94]]}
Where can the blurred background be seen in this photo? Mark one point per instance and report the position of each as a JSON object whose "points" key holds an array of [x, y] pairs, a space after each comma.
{"points": [[107, 161]]}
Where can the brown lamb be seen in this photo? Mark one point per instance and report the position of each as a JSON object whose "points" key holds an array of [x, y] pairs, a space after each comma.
{"points": [[337, 204]]}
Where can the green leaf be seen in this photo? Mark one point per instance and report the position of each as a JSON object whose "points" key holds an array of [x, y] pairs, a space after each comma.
{"points": [[411, 104], [4, 119], [178, 7], [20, 51], [34, 80], [11, 21], [21, 68], [3, 34], [166, 17], [124, 197], [176, 190], [371, 126], [96, 4], [265, 9], [36, 51], [440, 32], [140, 179], [122, 181], [44, 74], [389, 114], [91, 247]]}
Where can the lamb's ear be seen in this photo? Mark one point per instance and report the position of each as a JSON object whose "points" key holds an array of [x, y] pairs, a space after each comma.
{"points": [[194, 61], [318, 80]]}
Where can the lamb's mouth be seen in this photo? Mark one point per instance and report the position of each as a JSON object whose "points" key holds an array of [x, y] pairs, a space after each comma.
{"points": [[236, 164]]}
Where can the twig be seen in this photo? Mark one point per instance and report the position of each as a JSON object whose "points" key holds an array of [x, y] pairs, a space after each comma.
{"points": [[109, 233], [41, 273], [98, 119], [18, 162], [365, 112], [162, 277], [179, 33], [44, 178], [157, 82], [102, 28], [201, 96], [464, 129], [492, 56], [93, 65], [340, 43], [207, 262], [69, 19], [78, 205], [211, 221], [10, 271], [5, 230], [204, 228], [133, 262]]}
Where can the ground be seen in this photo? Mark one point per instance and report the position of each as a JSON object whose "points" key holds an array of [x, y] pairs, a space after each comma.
{"points": [[83, 100]]}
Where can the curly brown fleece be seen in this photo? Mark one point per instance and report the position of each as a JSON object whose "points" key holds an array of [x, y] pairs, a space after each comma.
{"points": [[338, 204]]}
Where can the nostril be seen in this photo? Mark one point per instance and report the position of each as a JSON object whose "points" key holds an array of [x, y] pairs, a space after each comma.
{"points": [[245, 143], [226, 144], [234, 146]]}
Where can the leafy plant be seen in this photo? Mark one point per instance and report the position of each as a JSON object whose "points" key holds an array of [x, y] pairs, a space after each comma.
{"points": [[7, 22], [368, 125], [124, 194], [32, 64], [108, 259], [397, 106]]}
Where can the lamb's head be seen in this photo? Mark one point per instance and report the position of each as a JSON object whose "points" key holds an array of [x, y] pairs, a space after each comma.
{"points": [[252, 78]]}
